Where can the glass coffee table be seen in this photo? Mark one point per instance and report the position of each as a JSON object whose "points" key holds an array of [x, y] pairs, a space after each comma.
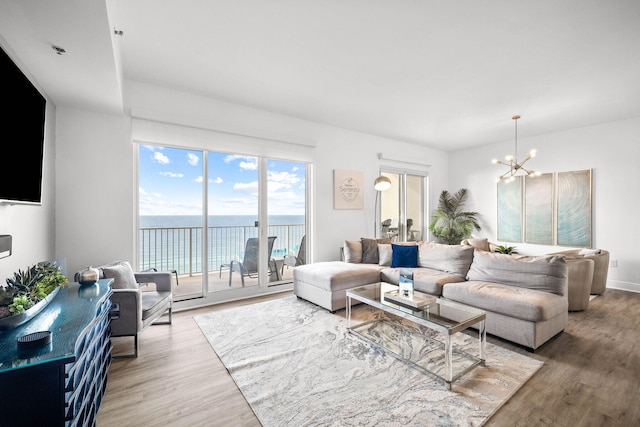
{"points": [[435, 355]]}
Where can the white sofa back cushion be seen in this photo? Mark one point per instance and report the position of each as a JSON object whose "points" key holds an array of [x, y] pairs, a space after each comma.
{"points": [[385, 254], [543, 273], [454, 259]]}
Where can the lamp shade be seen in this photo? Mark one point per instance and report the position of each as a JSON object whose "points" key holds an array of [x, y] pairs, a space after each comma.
{"points": [[382, 183]]}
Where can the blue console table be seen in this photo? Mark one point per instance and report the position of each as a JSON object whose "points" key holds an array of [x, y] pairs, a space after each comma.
{"points": [[63, 382]]}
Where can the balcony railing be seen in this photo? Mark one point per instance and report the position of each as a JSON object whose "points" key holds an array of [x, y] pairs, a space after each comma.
{"points": [[180, 248]]}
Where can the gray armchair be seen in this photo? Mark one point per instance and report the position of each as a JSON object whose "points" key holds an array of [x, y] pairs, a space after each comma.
{"points": [[600, 269], [133, 308]]}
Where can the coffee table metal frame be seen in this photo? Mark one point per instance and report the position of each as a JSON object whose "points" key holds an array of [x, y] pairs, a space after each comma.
{"points": [[466, 316]]}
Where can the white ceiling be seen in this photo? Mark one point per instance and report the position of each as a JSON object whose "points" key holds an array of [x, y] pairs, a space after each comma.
{"points": [[446, 74]]}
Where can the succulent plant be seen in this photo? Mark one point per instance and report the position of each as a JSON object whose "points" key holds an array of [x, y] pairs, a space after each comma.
{"points": [[28, 287]]}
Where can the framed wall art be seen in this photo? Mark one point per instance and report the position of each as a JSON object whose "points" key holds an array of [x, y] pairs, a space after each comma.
{"points": [[348, 189], [574, 208], [510, 210], [538, 209]]}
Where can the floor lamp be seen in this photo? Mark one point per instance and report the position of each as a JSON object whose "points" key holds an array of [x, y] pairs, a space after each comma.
{"points": [[381, 183]]}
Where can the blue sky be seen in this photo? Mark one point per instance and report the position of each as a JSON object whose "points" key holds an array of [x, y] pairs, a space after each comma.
{"points": [[171, 183]]}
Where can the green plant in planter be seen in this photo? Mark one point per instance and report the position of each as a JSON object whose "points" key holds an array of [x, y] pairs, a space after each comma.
{"points": [[450, 223], [27, 288], [506, 249]]}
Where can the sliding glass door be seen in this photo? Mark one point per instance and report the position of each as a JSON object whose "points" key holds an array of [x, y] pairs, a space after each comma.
{"points": [[233, 227], [402, 206], [255, 219], [286, 206], [170, 215]]}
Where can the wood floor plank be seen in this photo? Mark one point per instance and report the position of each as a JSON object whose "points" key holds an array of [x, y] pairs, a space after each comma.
{"points": [[590, 376]]}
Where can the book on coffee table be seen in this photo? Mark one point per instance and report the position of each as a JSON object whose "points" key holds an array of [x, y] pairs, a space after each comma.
{"points": [[406, 282], [416, 301]]}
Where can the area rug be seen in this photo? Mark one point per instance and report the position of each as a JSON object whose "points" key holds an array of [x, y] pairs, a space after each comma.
{"points": [[297, 365]]}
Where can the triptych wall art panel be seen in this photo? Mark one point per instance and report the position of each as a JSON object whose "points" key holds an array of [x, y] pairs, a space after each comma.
{"points": [[529, 207], [538, 209], [574, 208], [510, 210]]}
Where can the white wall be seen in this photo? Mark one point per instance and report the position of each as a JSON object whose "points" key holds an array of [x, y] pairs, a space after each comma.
{"points": [[96, 170], [32, 227], [95, 189], [334, 149], [612, 150]]}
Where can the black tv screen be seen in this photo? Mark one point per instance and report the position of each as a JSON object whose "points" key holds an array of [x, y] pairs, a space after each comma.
{"points": [[22, 122]]}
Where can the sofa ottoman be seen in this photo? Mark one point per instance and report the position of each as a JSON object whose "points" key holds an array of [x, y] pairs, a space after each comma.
{"points": [[326, 283]]}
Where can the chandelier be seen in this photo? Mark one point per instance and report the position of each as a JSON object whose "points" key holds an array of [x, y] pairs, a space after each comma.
{"points": [[515, 167]]}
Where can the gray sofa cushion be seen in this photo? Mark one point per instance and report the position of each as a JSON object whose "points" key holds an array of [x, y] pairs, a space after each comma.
{"points": [[425, 280], [482, 244], [454, 259], [370, 249], [512, 301], [543, 273], [353, 251]]}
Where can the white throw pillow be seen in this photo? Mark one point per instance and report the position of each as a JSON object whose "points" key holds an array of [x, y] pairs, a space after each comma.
{"points": [[385, 254]]}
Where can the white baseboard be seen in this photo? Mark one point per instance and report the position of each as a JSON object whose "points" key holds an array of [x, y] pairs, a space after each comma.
{"points": [[623, 286]]}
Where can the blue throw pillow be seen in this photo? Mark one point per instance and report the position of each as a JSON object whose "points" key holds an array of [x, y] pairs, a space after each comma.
{"points": [[404, 256]]}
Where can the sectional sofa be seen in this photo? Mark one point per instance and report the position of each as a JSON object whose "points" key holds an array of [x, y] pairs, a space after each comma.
{"points": [[526, 298]]}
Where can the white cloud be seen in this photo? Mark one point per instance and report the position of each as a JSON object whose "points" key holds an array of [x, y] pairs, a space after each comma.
{"points": [[199, 179], [235, 200], [248, 166], [247, 163], [281, 180], [246, 187], [172, 174], [283, 195], [192, 159], [275, 186], [232, 157], [160, 158], [218, 180]]}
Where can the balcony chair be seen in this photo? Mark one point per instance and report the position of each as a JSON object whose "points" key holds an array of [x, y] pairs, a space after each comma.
{"points": [[249, 264], [385, 228], [133, 310], [300, 258]]}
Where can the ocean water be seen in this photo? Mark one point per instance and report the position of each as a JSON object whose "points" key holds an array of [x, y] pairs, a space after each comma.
{"points": [[174, 242], [170, 221]]}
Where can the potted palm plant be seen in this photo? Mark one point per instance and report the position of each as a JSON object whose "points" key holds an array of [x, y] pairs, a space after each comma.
{"points": [[450, 223]]}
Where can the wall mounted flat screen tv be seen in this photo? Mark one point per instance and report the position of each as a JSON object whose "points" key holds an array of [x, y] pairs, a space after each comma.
{"points": [[23, 125]]}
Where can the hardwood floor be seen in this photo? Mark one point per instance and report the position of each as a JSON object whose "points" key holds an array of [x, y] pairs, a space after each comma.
{"points": [[590, 376]]}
